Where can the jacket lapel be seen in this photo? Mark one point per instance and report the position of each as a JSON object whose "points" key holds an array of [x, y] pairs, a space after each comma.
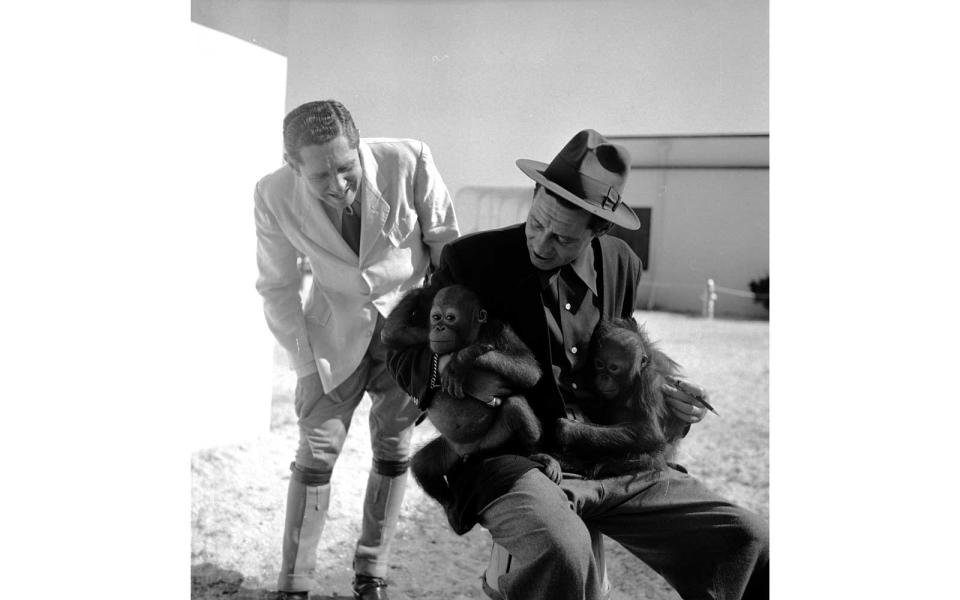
{"points": [[611, 283], [522, 300], [376, 210], [525, 307], [605, 281], [317, 227]]}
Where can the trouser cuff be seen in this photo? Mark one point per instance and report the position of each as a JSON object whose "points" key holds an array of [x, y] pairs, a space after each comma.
{"points": [[370, 568], [295, 583]]}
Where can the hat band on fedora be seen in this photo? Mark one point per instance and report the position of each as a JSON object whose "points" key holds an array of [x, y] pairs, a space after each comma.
{"points": [[600, 192]]}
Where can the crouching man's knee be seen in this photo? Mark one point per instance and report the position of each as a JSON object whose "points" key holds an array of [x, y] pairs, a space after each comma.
{"points": [[571, 549], [755, 557], [755, 534]]}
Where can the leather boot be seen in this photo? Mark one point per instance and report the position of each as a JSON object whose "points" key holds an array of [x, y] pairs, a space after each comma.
{"points": [[369, 588], [306, 513], [381, 509]]}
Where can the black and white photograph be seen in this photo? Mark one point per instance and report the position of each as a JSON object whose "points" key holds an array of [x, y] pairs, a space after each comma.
{"points": [[470, 299], [585, 415]]}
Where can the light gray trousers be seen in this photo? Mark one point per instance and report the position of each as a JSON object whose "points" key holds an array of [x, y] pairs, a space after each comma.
{"points": [[324, 424]]}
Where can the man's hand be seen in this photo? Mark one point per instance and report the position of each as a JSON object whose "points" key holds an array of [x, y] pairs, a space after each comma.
{"points": [[685, 400], [309, 389]]}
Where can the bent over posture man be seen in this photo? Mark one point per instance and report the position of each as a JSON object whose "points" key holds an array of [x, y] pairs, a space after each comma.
{"points": [[370, 216], [553, 278]]}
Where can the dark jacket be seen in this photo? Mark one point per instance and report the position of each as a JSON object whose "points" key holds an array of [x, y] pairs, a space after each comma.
{"points": [[496, 266]]}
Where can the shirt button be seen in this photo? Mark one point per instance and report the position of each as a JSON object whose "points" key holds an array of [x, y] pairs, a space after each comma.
{"points": [[567, 306], [573, 350]]}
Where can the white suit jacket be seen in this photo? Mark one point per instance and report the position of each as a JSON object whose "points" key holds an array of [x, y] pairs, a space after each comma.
{"points": [[407, 217]]}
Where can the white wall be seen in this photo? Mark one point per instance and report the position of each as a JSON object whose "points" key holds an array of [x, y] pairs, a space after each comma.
{"points": [[260, 22], [705, 224], [487, 82], [480, 208], [237, 104]]}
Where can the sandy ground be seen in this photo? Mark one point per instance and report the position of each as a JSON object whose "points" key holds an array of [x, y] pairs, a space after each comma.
{"points": [[238, 491]]}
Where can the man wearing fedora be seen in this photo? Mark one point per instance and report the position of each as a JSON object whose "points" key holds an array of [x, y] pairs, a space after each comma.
{"points": [[370, 215], [553, 278]]}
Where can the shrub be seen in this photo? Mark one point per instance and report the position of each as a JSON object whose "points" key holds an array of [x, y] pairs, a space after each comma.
{"points": [[761, 291]]}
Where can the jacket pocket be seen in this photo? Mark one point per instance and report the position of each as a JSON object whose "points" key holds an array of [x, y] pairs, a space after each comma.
{"points": [[317, 314]]}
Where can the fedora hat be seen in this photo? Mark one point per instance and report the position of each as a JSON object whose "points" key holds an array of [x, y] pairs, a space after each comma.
{"points": [[589, 172]]}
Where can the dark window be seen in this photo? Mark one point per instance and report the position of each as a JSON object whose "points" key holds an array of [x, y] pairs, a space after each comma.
{"points": [[639, 240]]}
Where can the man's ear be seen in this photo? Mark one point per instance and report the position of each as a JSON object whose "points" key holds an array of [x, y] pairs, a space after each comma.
{"points": [[604, 229], [482, 316], [293, 164]]}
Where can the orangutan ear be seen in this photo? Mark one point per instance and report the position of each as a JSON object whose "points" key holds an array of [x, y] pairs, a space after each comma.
{"points": [[482, 316]]}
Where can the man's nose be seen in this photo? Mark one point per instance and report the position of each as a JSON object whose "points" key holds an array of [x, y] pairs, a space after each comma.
{"points": [[539, 242], [340, 184]]}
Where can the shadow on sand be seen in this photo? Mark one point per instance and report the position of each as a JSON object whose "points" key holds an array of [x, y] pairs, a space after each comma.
{"points": [[208, 581]]}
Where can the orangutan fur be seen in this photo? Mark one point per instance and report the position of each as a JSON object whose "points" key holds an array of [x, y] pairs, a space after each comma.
{"points": [[482, 349], [632, 428]]}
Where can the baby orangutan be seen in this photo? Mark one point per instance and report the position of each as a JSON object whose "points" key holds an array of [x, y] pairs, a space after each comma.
{"points": [[633, 429], [486, 354]]}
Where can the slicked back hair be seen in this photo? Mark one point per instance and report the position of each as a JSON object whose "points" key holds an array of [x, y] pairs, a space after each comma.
{"points": [[316, 123]]}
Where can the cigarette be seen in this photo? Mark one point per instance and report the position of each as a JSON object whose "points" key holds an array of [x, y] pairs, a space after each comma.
{"points": [[699, 397]]}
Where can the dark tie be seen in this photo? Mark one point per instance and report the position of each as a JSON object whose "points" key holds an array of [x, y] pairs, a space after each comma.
{"points": [[350, 227]]}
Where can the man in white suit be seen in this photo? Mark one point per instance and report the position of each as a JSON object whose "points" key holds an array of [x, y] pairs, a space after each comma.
{"points": [[370, 216]]}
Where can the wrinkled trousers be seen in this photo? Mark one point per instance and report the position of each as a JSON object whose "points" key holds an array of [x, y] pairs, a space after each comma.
{"points": [[704, 546], [324, 424]]}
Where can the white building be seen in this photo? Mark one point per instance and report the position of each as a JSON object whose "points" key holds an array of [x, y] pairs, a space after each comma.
{"points": [[684, 85], [703, 204]]}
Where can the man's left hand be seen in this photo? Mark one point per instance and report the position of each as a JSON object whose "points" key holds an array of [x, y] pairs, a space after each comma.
{"points": [[688, 401]]}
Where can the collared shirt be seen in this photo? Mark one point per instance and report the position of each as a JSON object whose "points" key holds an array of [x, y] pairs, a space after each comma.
{"points": [[571, 303]]}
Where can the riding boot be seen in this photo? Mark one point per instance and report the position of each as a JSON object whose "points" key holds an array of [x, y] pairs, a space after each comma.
{"points": [[306, 513], [381, 509]]}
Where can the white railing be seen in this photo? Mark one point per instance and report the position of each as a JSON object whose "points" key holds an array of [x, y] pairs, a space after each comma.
{"points": [[710, 293]]}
